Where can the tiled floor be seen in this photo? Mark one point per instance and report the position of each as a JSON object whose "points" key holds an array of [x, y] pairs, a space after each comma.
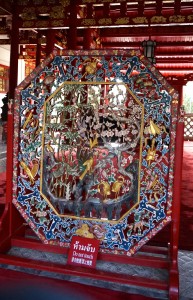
{"points": [[185, 258]]}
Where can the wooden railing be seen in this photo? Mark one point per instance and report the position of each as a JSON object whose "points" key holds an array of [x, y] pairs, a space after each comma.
{"points": [[188, 127]]}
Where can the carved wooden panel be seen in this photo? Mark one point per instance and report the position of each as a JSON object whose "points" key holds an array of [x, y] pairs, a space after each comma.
{"points": [[94, 149]]}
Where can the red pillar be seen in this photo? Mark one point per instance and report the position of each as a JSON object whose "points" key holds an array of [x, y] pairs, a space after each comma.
{"points": [[72, 32], [179, 88], [50, 40], [11, 216], [38, 49], [88, 39], [12, 86], [175, 223], [14, 54]]}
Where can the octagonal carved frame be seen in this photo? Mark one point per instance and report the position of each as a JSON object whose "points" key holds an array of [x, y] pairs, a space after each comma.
{"points": [[118, 227]]}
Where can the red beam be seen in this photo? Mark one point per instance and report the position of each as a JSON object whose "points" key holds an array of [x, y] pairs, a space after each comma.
{"points": [[83, 272], [138, 259]]}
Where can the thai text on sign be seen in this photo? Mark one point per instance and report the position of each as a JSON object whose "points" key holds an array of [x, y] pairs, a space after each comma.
{"points": [[83, 251]]}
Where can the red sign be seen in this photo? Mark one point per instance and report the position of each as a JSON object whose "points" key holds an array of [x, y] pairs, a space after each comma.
{"points": [[83, 251]]}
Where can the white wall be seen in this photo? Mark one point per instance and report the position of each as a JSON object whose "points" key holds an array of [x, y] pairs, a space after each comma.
{"points": [[5, 55], [4, 60]]}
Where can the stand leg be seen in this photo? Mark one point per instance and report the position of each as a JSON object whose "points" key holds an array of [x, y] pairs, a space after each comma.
{"points": [[174, 274]]}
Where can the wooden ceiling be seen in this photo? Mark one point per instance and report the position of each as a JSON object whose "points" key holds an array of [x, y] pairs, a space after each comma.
{"points": [[120, 24]]}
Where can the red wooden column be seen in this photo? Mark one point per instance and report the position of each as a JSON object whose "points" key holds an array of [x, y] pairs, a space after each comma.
{"points": [[11, 219], [12, 86], [14, 54], [50, 40], [178, 83], [88, 39], [174, 275], [91, 39], [72, 32], [179, 88], [38, 49]]}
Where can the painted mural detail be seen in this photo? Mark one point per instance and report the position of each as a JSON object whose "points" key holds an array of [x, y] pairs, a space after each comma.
{"points": [[96, 149]]}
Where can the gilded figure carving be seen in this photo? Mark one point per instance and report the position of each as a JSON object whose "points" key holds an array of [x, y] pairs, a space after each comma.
{"points": [[84, 231], [23, 2], [37, 2], [57, 23], [28, 24], [29, 9], [88, 22], [120, 21], [117, 186], [158, 19], [190, 18], [42, 23], [43, 9], [105, 190], [105, 21], [57, 15], [140, 20], [65, 2], [151, 152], [177, 19], [29, 16]]}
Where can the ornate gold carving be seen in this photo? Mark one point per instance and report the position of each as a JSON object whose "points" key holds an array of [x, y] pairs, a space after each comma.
{"points": [[156, 188], [120, 21], [105, 21], [22, 2], [10, 106], [28, 24], [37, 2], [88, 163], [57, 15], [3, 30], [42, 24], [140, 20], [182, 114], [29, 16], [105, 190], [93, 142], [84, 231], [65, 2], [190, 18], [175, 101], [177, 19], [133, 52], [154, 129], [29, 9], [88, 1], [151, 152], [28, 120], [43, 9], [57, 23], [98, 43], [88, 22], [91, 67], [57, 8], [51, 2], [31, 173], [117, 186], [42, 40], [158, 19]]}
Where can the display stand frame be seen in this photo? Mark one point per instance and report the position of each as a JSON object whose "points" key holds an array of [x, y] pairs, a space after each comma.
{"points": [[13, 227]]}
